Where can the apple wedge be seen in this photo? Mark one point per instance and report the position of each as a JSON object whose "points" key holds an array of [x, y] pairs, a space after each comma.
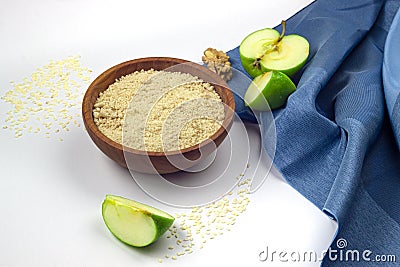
{"points": [[269, 91], [267, 50], [134, 223]]}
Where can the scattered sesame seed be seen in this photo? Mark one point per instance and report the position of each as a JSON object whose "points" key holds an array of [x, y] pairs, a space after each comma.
{"points": [[48, 95], [218, 217]]}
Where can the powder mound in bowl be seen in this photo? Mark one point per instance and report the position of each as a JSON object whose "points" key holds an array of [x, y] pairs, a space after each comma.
{"points": [[159, 111]]}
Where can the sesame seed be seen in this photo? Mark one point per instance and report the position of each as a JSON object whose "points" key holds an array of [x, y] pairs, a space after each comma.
{"points": [[40, 98], [218, 217]]}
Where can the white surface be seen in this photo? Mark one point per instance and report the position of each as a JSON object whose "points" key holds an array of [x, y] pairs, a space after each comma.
{"points": [[51, 191]]}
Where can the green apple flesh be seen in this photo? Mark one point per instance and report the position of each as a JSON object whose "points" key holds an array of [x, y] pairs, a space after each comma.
{"points": [[134, 223], [289, 57], [267, 50], [254, 46], [268, 91]]}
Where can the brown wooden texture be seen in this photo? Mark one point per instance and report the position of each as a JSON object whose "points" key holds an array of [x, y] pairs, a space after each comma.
{"points": [[155, 162]]}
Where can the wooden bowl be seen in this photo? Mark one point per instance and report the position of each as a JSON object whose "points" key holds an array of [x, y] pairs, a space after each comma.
{"points": [[156, 162]]}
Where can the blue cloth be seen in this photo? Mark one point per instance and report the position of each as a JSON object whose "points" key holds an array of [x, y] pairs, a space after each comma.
{"points": [[338, 135]]}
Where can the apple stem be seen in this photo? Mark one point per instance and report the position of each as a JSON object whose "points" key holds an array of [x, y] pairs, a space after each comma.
{"points": [[275, 46], [283, 30]]}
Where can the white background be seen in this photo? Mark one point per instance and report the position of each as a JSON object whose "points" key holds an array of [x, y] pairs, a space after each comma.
{"points": [[51, 191]]}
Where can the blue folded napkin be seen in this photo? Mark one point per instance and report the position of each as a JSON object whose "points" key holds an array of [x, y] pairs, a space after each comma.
{"points": [[338, 135]]}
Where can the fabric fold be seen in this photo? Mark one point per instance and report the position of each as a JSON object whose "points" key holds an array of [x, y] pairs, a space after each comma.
{"points": [[329, 127], [391, 79]]}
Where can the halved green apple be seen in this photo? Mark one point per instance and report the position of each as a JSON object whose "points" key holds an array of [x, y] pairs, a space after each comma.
{"points": [[134, 223], [268, 91], [254, 46], [267, 50]]}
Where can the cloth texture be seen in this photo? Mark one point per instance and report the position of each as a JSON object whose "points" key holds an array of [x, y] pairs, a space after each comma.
{"points": [[337, 138]]}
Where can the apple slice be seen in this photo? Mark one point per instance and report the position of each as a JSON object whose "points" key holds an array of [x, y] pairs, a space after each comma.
{"points": [[267, 50], [272, 87], [134, 223]]}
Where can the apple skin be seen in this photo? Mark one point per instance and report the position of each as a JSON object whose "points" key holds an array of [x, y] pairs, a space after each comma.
{"points": [[247, 64], [161, 223], [274, 94]]}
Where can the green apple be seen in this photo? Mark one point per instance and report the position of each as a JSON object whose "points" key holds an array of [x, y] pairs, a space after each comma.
{"points": [[134, 223], [267, 50], [268, 91], [253, 47]]}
